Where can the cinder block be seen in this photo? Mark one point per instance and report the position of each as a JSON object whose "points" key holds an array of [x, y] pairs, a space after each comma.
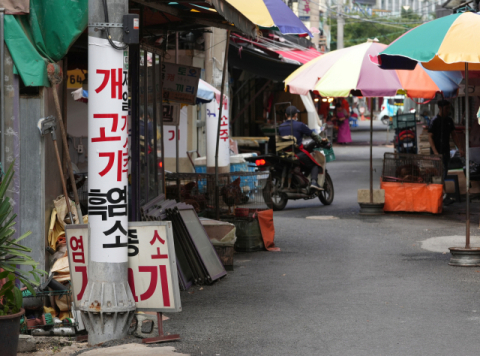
{"points": [[363, 196], [26, 343]]}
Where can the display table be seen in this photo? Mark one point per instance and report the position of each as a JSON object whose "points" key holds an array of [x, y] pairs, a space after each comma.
{"points": [[413, 197]]}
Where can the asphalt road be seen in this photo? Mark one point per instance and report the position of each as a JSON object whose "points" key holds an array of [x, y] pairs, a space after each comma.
{"points": [[346, 285]]}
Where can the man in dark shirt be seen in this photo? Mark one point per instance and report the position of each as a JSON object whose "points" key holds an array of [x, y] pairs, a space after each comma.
{"points": [[440, 131], [439, 134], [299, 130]]}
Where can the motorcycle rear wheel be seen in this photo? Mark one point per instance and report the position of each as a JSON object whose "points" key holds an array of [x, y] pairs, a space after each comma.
{"points": [[326, 195], [272, 196]]}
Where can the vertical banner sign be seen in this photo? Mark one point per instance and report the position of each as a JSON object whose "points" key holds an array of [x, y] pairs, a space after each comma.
{"points": [[108, 152], [213, 108], [152, 266]]}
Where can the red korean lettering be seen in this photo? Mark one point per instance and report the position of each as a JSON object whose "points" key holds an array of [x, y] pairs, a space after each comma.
{"points": [[83, 271], [116, 81], [164, 284], [131, 283], [156, 237], [124, 117], [77, 257], [111, 161], [106, 77], [153, 281], [103, 137]]}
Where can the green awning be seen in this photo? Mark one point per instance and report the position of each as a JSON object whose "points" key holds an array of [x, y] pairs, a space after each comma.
{"points": [[43, 36]]}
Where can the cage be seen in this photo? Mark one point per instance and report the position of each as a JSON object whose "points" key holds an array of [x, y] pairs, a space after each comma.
{"points": [[240, 193], [59, 301], [412, 168]]}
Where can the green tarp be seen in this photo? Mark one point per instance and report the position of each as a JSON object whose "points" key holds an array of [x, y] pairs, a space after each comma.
{"points": [[44, 35]]}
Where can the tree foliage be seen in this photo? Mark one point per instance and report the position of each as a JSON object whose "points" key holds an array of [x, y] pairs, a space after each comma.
{"points": [[358, 30]]}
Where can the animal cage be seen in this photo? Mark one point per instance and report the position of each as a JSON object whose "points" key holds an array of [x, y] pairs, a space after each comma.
{"points": [[412, 168], [241, 193]]}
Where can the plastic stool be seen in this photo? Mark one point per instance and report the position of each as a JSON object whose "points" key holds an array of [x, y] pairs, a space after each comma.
{"points": [[353, 122], [454, 178]]}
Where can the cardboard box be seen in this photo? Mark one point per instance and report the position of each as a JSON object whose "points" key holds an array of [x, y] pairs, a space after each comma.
{"points": [[462, 182]]}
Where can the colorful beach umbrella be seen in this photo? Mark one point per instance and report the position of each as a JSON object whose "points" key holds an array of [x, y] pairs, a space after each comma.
{"points": [[340, 72], [447, 43], [350, 70], [272, 15]]}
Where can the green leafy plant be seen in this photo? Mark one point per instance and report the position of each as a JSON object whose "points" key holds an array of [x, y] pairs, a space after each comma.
{"points": [[13, 255]]}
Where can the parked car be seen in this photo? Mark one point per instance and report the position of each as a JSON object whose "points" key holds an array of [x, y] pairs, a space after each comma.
{"points": [[390, 107]]}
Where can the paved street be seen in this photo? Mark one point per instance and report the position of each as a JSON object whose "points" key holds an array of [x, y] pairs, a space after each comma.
{"points": [[348, 285]]}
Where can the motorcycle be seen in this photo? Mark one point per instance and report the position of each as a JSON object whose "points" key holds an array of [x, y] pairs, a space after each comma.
{"points": [[289, 176]]}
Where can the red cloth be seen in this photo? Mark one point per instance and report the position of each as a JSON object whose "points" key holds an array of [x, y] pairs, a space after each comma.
{"points": [[265, 219]]}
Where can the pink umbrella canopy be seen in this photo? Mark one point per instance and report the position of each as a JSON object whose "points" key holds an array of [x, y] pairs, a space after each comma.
{"points": [[340, 72]]}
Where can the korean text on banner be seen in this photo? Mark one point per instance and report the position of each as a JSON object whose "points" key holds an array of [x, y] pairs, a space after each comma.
{"points": [[213, 110], [152, 266], [108, 147]]}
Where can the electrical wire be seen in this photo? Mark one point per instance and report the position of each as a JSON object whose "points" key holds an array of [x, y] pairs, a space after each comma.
{"points": [[109, 38]]}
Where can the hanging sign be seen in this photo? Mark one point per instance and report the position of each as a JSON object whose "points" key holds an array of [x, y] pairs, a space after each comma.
{"points": [[108, 151], [171, 114], [152, 266], [180, 83]]}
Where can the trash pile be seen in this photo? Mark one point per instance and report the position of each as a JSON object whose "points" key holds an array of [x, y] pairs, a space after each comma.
{"points": [[49, 311]]}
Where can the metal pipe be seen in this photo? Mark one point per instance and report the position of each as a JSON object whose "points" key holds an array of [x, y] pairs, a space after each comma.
{"points": [[154, 124], [2, 85], [146, 178], [134, 53], [162, 168], [467, 157], [371, 152], [177, 148], [217, 189]]}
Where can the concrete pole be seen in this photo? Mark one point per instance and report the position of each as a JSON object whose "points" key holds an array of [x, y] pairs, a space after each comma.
{"points": [[108, 305], [340, 24]]}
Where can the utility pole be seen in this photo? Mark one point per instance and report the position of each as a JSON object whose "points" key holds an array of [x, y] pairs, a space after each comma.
{"points": [[340, 24], [108, 305]]}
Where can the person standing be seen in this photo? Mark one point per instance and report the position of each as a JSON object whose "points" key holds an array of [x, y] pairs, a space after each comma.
{"points": [[341, 116], [441, 128]]}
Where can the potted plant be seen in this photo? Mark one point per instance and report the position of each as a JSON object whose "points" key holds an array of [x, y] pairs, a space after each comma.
{"points": [[12, 255]]}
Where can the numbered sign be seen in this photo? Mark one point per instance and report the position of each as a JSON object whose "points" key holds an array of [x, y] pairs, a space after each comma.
{"points": [[75, 78]]}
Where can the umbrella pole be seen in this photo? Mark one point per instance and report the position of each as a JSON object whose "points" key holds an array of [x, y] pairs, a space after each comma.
{"points": [[217, 188], [467, 158], [371, 151]]}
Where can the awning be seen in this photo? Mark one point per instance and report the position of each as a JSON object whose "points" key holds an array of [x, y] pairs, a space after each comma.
{"points": [[259, 63], [300, 56], [43, 37], [206, 93], [206, 13]]}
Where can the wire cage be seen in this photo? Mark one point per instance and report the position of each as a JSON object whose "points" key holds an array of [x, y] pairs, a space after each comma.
{"points": [[412, 168], [35, 318], [241, 193]]}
